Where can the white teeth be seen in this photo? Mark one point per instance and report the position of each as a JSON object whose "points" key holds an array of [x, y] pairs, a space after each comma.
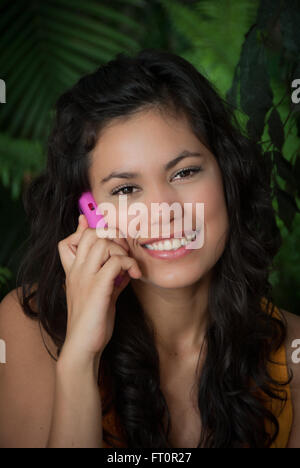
{"points": [[171, 244]]}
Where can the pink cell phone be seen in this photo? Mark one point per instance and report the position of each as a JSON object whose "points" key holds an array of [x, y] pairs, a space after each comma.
{"points": [[87, 206]]}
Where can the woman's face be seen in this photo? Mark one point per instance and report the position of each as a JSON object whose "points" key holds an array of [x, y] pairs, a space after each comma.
{"points": [[144, 144]]}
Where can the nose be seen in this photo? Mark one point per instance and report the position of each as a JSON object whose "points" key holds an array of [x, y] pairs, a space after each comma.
{"points": [[164, 209]]}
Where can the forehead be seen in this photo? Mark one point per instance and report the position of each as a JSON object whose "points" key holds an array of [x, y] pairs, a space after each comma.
{"points": [[145, 137]]}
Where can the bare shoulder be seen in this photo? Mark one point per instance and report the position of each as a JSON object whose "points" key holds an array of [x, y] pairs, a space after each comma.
{"points": [[27, 377], [15, 323], [292, 346]]}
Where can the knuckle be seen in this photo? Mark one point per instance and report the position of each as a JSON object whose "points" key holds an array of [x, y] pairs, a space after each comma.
{"points": [[118, 249], [133, 260], [115, 259], [102, 245], [119, 245], [102, 241], [87, 233], [86, 236]]}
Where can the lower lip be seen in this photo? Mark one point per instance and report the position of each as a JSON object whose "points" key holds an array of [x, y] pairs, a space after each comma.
{"points": [[169, 254]]}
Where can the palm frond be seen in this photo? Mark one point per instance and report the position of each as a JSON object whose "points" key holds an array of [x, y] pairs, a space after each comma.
{"points": [[18, 157], [47, 46], [5, 275], [215, 31]]}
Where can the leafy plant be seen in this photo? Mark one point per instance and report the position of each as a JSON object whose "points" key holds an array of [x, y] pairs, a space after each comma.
{"points": [[267, 66], [45, 47], [213, 33], [19, 158], [5, 275]]}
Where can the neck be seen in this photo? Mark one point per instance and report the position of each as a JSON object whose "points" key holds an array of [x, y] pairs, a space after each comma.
{"points": [[179, 316]]}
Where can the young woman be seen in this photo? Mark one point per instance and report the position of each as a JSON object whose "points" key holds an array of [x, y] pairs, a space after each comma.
{"points": [[189, 350]]}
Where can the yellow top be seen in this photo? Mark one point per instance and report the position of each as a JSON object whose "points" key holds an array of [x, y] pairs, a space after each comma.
{"points": [[285, 417], [279, 372]]}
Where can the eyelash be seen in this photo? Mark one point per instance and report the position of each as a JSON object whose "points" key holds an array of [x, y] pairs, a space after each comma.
{"points": [[195, 170]]}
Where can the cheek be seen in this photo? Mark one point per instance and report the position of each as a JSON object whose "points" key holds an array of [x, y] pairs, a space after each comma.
{"points": [[131, 224], [211, 194], [215, 216]]}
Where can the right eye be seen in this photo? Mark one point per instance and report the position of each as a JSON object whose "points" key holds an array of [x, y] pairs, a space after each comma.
{"points": [[118, 190]]}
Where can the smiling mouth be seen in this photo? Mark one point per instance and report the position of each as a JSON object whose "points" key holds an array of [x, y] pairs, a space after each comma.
{"points": [[171, 244]]}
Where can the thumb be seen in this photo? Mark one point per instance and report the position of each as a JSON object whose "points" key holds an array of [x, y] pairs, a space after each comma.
{"points": [[82, 223]]}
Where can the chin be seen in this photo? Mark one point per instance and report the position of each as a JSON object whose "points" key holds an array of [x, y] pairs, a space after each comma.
{"points": [[173, 280]]}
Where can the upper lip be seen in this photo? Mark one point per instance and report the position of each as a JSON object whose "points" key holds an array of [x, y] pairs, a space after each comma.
{"points": [[178, 235]]}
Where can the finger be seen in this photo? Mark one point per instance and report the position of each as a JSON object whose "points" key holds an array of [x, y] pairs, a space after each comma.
{"points": [[99, 256], [82, 221], [100, 252], [87, 240], [74, 239], [67, 247], [117, 263], [113, 267], [114, 234]]}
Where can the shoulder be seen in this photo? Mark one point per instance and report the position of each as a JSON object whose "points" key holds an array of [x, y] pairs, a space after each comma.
{"points": [[27, 377], [14, 323], [292, 347]]}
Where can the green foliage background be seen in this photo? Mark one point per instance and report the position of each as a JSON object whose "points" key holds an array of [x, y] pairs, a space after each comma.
{"points": [[46, 47]]}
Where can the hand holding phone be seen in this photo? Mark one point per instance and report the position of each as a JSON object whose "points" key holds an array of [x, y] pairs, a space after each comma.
{"points": [[91, 267], [88, 206]]}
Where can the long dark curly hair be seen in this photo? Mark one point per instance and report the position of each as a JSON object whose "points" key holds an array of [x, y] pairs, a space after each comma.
{"points": [[240, 336]]}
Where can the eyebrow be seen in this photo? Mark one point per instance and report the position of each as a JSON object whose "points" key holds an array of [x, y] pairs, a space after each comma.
{"points": [[131, 175]]}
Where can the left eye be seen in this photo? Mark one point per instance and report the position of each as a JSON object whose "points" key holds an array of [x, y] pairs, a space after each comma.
{"points": [[192, 170]]}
